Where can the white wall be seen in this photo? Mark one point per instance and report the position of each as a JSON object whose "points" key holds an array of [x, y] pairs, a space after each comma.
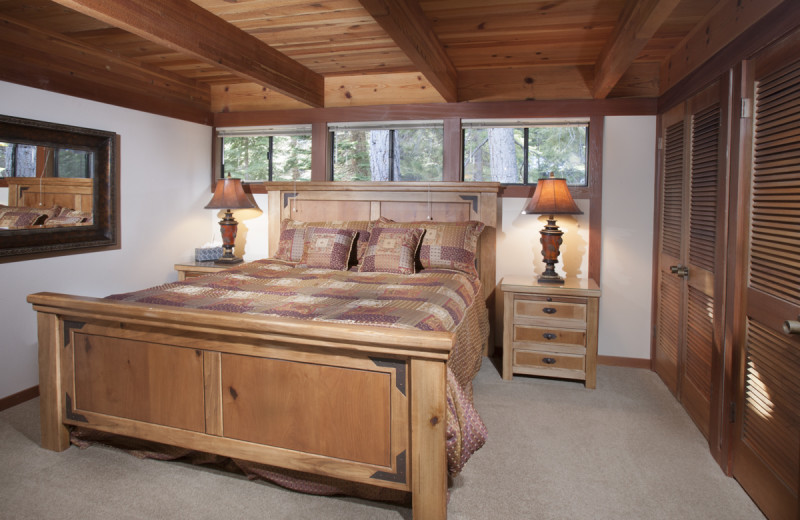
{"points": [[165, 167], [627, 231]]}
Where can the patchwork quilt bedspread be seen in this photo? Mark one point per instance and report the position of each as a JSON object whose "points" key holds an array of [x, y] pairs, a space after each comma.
{"points": [[434, 300]]}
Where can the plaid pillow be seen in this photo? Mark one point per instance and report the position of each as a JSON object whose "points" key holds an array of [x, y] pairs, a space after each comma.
{"points": [[445, 245], [63, 221], [24, 216], [391, 250], [293, 234], [327, 248]]}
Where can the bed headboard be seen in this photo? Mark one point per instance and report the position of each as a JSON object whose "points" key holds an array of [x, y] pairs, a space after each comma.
{"points": [[399, 201], [50, 191]]}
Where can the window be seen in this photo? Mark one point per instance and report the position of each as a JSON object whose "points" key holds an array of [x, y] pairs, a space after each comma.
{"points": [[522, 152], [407, 151], [266, 154], [22, 160]]}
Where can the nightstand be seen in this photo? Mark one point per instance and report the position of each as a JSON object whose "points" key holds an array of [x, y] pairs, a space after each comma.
{"points": [[550, 330], [193, 269]]}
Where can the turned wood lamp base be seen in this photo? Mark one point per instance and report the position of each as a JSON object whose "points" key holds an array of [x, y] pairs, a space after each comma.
{"points": [[551, 243]]}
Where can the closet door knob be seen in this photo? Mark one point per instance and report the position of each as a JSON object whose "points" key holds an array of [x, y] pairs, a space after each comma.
{"points": [[679, 270], [792, 326]]}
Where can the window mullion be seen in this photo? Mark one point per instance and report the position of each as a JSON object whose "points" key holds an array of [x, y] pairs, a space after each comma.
{"points": [[269, 156], [525, 156]]}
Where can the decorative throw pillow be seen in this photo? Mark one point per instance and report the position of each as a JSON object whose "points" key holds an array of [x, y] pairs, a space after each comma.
{"points": [[22, 218], [391, 250], [293, 234], [63, 221], [327, 248], [445, 245]]}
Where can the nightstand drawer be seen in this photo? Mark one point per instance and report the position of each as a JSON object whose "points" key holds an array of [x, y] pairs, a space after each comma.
{"points": [[535, 359], [549, 335], [572, 310]]}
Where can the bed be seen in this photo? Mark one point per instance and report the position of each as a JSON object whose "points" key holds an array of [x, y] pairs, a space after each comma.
{"points": [[48, 202], [206, 379]]}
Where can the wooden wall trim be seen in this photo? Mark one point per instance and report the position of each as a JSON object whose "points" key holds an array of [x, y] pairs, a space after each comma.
{"points": [[595, 179], [499, 109], [453, 145], [627, 362], [19, 398], [320, 151]]}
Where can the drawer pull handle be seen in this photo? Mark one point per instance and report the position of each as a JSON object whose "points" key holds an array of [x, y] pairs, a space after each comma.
{"points": [[549, 310], [549, 335], [549, 299], [549, 361]]}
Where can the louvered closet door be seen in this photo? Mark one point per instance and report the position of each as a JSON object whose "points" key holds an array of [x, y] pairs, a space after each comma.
{"points": [[669, 293], [706, 229], [766, 434], [687, 336]]}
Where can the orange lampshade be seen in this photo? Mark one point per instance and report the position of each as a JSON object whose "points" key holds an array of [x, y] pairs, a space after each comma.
{"points": [[551, 197], [229, 194]]}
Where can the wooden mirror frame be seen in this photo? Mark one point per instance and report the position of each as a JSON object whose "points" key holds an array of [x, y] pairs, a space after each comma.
{"points": [[103, 234]]}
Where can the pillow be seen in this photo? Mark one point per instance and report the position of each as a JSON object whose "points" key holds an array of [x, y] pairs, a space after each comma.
{"points": [[327, 248], [391, 250], [445, 245], [293, 233], [63, 221], [23, 218]]}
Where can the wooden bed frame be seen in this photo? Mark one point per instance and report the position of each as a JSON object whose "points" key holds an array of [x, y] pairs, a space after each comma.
{"points": [[359, 403], [51, 191]]}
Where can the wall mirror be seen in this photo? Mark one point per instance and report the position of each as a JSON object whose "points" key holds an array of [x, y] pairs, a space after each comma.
{"points": [[61, 189]]}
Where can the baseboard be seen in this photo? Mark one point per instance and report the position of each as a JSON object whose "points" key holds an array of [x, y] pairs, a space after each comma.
{"points": [[19, 398], [617, 361]]}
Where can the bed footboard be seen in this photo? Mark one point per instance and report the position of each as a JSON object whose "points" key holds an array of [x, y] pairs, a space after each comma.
{"points": [[358, 403]]}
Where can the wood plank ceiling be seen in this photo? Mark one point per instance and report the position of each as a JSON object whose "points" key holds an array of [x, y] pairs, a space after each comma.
{"points": [[190, 58]]}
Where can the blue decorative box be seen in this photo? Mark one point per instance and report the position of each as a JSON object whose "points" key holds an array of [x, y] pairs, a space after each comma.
{"points": [[207, 254]]}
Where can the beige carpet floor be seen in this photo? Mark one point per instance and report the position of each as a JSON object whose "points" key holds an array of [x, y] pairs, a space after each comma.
{"points": [[626, 450]]}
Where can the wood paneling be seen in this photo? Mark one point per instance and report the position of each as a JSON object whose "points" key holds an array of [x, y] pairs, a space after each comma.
{"points": [[138, 380], [721, 26], [412, 32], [183, 26], [261, 397], [509, 50], [638, 22]]}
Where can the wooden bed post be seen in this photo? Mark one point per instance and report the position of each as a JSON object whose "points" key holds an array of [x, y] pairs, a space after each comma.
{"points": [[428, 437], [55, 435]]}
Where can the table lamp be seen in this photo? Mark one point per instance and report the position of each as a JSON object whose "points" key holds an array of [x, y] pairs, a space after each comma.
{"points": [[551, 197], [229, 195]]}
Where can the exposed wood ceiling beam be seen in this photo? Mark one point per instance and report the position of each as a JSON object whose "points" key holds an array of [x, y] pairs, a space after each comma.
{"points": [[45, 59], [413, 33], [186, 27], [638, 23]]}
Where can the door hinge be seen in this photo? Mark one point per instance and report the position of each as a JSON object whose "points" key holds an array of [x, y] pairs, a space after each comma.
{"points": [[733, 412], [747, 107], [660, 143]]}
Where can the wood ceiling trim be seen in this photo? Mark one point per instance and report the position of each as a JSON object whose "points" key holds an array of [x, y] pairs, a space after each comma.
{"points": [[407, 25], [639, 22], [186, 27], [45, 59]]}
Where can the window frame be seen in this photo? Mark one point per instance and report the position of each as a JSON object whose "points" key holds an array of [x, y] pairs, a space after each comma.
{"points": [[392, 127], [218, 152], [525, 126]]}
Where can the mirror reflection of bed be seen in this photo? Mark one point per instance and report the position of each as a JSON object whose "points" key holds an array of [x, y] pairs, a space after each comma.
{"points": [[36, 202]]}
